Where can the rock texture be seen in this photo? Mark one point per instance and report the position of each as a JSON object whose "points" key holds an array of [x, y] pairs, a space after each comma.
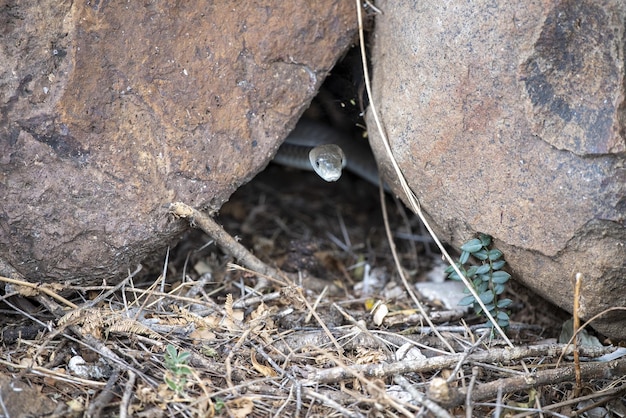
{"points": [[509, 119], [109, 110]]}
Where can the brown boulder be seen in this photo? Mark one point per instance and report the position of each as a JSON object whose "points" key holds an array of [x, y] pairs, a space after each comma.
{"points": [[109, 110], [509, 120]]}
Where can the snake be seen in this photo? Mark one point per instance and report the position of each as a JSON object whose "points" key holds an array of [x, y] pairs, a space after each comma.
{"points": [[325, 150]]}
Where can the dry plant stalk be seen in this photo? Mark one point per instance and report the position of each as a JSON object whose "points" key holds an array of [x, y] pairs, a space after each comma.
{"points": [[224, 240], [408, 193], [576, 326], [502, 355], [34, 288]]}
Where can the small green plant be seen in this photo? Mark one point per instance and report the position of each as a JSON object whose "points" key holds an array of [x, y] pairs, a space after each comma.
{"points": [[219, 405], [176, 364], [487, 278]]}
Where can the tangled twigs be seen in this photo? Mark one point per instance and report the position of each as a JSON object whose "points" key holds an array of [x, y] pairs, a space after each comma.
{"points": [[505, 355], [90, 342], [223, 239], [38, 288], [588, 371]]}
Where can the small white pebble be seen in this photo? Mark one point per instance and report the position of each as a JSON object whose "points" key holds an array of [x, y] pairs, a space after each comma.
{"points": [[409, 352], [80, 368]]}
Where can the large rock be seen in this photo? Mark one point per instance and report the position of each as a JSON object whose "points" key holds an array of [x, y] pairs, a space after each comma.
{"points": [[109, 110], [509, 119]]}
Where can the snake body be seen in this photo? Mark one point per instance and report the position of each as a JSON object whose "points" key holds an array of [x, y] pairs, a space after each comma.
{"points": [[305, 149]]}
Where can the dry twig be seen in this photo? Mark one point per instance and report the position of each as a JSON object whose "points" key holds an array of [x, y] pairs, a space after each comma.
{"points": [[224, 240], [409, 194], [489, 390], [501, 355]]}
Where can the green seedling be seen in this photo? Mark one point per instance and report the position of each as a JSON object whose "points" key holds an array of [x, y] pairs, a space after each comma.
{"points": [[176, 364]]}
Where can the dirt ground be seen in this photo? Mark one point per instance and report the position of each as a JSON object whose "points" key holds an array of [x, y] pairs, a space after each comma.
{"points": [[199, 341]]}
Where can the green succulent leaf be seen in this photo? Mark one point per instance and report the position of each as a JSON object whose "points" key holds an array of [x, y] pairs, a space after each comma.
{"points": [[485, 277], [219, 404], [471, 272], [450, 269], [504, 303], [481, 255], [500, 277], [490, 307], [483, 269], [494, 254], [498, 289], [485, 240], [502, 315], [486, 296], [472, 246], [467, 300], [184, 370], [482, 288], [497, 265]]}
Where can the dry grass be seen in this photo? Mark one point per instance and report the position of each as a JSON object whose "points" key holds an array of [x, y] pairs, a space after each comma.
{"points": [[292, 350]]}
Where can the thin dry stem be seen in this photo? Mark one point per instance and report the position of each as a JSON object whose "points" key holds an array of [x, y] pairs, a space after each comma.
{"points": [[400, 271], [576, 325], [545, 377], [337, 374], [410, 196], [224, 240], [39, 288]]}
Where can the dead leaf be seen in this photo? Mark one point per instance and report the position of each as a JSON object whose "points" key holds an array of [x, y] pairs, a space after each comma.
{"points": [[202, 334], [240, 407], [261, 368]]}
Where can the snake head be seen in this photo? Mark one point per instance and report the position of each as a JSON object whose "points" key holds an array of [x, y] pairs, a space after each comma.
{"points": [[328, 160]]}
